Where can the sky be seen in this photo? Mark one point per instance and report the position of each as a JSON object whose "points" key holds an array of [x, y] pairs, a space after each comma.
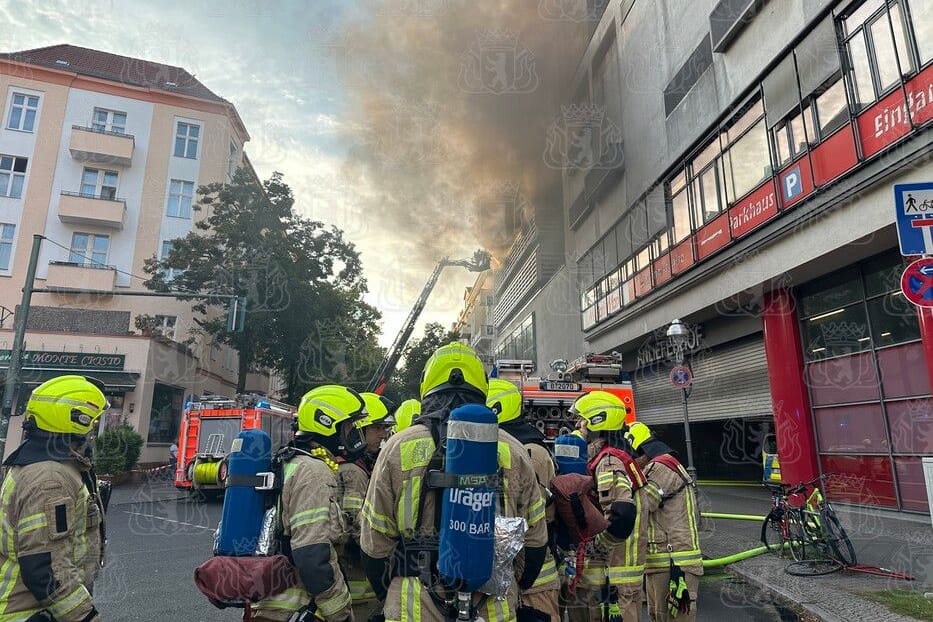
{"points": [[282, 64]]}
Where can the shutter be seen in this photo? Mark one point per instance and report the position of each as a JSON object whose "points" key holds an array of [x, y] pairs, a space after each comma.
{"points": [[780, 88], [657, 212], [729, 382], [818, 57]]}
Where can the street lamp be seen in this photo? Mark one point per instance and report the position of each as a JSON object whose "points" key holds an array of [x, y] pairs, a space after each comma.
{"points": [[677, 337]]}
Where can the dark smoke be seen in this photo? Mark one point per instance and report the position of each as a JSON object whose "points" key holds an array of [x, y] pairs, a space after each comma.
{"points": [[451, 101]]}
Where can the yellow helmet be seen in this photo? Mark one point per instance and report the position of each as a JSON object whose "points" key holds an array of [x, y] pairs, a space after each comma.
{"points": [[637, 434], [66, 405], [602, 411], [454, 366], [324, 408], [505, 399], [376, 410], [405, 414]]}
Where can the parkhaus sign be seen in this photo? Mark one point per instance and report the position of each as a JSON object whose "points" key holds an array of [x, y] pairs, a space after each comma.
{"points": [[67, 360]]}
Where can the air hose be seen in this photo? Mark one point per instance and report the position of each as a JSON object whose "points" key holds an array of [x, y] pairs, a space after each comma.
{"points": [[205, 473], [750, 517], [742, 555]]}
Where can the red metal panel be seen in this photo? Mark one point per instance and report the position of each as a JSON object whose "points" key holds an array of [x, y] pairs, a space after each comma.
{"points": [[628, 292], [883, 124], [754, 210], [661, 268], [792, 415], [795, 181], [834, 156], [642, 282], [614, 301], [713, 236], [865, 480], [682, 257], [920, 97]]}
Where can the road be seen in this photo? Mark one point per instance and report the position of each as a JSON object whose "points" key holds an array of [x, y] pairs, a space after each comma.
{"points": [[156, 538]]}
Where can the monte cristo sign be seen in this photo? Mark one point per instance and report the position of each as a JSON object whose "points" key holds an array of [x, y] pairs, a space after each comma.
{"points": [[67, 360]]}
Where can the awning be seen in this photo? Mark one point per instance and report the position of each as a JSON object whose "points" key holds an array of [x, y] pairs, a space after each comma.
{"points": [[118, 381]]}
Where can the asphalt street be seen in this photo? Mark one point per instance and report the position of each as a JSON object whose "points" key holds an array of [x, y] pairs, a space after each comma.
{"points": [[156, 537]]}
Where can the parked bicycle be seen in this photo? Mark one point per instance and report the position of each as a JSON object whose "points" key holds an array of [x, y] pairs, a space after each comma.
{"points": [[803, 521]]}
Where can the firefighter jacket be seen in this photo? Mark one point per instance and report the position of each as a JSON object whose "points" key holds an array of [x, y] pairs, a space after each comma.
{"points": [[543, 465], [313, 529], [50, 540], [621, 558], [673, 520], [394, 521], [352, 483]]}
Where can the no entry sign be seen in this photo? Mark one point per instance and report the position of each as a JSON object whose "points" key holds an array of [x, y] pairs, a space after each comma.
{"points": [[917, 282]]}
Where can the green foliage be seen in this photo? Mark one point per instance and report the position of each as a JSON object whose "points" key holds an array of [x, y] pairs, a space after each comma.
{"points": [[117, 450], [904, 602], [406, 382], [303, 284]]}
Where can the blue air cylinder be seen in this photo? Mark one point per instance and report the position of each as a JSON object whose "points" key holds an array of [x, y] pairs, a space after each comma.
{"points": [[244, 505], [468, 516], [570, 452]]}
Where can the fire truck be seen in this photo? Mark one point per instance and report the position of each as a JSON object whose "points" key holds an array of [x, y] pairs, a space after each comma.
{"points": [[208, 426], [547, 400]]}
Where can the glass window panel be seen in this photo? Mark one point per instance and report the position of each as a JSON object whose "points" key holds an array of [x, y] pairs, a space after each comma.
{"points": [[851, 429], [33, 102], [829, 293], [893, 320], [911, 425], [750, 160], [832, 108], [110, 178], [29, 120], [194, 131], [681, 209], [860, 73], [706, 156], [781, 143], [843, 380], [644, 258], [900, 39], [921, 16], [844, 331], [19, 99], [100, 116], [862, 13], [709, 187], [180, 147], [865, 480], [6, 232], [192, 151], [745, 121], [19, 165], [679, 182], [78, 248], [798, 138], [16, 115], [16, 187], [101, 242], [911, 484], [119, 120], [4, 184], [885, 60], [6, 163], [903, 371]]}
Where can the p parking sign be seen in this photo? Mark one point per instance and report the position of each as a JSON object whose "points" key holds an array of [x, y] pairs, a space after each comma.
{"points": [[914, 214]]}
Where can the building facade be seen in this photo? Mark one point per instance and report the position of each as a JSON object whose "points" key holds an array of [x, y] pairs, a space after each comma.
{"points": [[731, 164], [474, 325], [102, 155]]}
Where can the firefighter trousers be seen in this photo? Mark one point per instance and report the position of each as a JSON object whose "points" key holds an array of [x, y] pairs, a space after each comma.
{"points": [[545, 602], [587, 606], [658, 585]]}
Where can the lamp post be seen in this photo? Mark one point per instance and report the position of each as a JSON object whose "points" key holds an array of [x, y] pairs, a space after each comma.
{"points": [[677, 337]]}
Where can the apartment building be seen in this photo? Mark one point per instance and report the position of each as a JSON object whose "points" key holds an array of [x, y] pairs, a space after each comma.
{"points": [[103, 154], [755, 202], [474, 324]]}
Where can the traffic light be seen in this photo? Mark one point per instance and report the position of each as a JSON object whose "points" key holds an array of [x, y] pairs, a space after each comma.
{"points": [[236, 314]]}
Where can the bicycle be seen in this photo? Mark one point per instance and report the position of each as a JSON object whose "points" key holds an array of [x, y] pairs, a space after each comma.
{"points": [[783, 527], [822, 532]]}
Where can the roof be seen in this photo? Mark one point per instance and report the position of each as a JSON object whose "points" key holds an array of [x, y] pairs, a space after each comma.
{"points": [[123, 69]]}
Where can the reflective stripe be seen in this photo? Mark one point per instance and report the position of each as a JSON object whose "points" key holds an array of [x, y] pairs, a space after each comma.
{"points": [[61, 608], [631, 543], [64, 400], [31, 523], [605, 479], [335, 604], [692, 520], [566, 451], [535, 512], [379, 522], [19, 616], [308, 517], [498, 610], [681, 558], [360, 590], [290, 468], [80, 530], [617, 575], [411, 599], [547, 575], [9, 570], [472, 431], [292, 599], [351, 503], [651, 488], [408, 505], [504, 455], [416, 453]]}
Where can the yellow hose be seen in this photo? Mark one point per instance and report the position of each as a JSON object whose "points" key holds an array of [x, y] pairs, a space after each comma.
{"points": [[205, 473], [751, 517], [731, 559]]}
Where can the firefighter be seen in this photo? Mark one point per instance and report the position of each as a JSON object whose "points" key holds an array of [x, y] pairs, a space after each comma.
{"points": [[51, 517], [400, 514], [407, 412], [505, 400], [611, 583], [353, 480], [312, 522], [674, 562]]}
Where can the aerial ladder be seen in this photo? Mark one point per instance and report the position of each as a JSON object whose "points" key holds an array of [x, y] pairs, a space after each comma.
{"points": [[478, 263]]}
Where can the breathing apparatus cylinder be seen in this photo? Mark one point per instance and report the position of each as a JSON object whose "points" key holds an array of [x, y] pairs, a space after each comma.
{"points": [[466, 540], [249, 477], [570, 454]]}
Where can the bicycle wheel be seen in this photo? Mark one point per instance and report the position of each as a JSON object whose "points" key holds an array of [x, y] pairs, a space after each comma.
{"points": [[771, 532], [839, 543], [796, 536], [813, 567]]}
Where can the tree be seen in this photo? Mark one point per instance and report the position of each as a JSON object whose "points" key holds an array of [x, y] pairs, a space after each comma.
{"points": [[407, 379], [301, 280]]}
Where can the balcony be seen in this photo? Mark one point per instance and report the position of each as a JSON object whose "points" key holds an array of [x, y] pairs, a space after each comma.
{"points": [[101, 147], [66, 276], [84, 209]]}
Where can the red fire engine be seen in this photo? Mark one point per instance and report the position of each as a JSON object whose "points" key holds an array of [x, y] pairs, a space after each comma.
{"points": [[547, 400], [208, 427]]}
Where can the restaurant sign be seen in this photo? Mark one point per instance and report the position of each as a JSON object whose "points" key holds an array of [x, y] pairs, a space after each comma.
{"points": [[67, 360]]}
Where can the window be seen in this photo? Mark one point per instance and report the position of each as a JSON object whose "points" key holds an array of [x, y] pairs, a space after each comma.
{"points": [[186, 140], [165, 325], [180, 194], [879, 49], [748, 160], [921, 16], [12, 176], [170, 273], [6, 245], [167, 404], [830, 110], [99, 184], [680, 206], [231, 161], [708, 194], [790, 137], [109, 121], [23, 112], [89, 249]]}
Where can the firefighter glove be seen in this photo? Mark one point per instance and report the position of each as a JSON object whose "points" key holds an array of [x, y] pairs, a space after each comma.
{"points": [[678, 598]]}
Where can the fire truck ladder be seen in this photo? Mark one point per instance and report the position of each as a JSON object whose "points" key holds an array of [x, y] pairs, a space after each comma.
{"points": [[478, 263]]}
